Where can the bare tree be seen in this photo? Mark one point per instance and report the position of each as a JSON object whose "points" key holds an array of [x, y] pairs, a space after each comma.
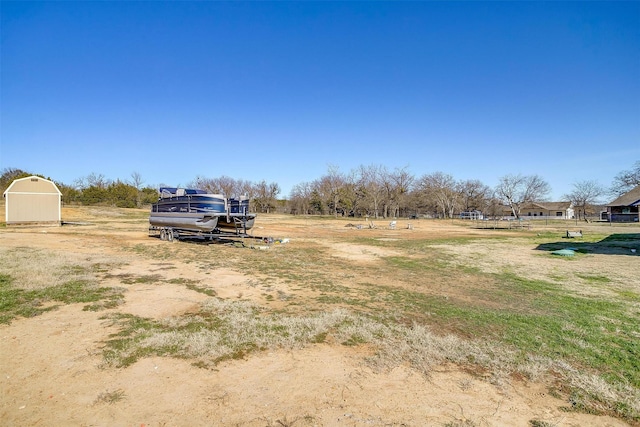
{"points": [[331, 184], [370, 180], [441, 190], [96, 180], [265, 196], [474, 195], [300, 198], [517, 190], [626, 180], [402, 182], [318, 200], [584, 194], [200, 182], [386, 183], [493, 207], [137, 182], [350, 196], [224, 185], [244, 188], [228, 185]]}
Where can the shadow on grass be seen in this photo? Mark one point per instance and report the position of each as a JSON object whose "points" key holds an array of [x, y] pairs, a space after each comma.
{"points": [[615, 244]]}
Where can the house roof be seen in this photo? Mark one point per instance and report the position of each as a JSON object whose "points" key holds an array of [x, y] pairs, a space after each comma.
{"points": [[545, 206], [554, 206], [630, 198], [548, 206]]}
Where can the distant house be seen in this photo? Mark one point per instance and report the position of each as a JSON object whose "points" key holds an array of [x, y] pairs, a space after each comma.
{"points": [[546, 210], [471, 215], [32, 200], [625, 207]]}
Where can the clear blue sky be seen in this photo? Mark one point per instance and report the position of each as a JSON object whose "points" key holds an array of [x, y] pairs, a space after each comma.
{"points": [[278, 91]]}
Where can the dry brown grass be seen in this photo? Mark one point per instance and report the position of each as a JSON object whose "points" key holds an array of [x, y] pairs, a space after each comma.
{"points": [[34, 268]]}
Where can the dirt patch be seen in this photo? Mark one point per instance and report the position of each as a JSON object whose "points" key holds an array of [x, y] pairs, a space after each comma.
{"points": [[356, 252]]}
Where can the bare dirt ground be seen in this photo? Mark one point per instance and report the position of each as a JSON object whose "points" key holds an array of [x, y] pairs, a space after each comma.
{"points": [[52, 371]]}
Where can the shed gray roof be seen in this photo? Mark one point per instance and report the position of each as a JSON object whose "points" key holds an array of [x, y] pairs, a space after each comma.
{"points": [[630, 198]]}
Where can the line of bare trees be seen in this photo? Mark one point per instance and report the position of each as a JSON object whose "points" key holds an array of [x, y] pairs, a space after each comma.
{"points": [[263, 196], [378, 192], [369, 191]]}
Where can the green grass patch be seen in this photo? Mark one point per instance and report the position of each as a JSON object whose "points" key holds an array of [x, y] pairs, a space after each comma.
{"points": [[202, 289], [182, 281], [628, 295], [539, 423], [16, 302], [594, 278], [147, 278], [539, 317]]}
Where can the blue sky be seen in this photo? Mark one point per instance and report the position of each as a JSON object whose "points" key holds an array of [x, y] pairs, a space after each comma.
{"points": [[280, 91]]}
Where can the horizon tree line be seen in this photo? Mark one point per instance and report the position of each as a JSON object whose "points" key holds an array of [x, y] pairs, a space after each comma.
{"points": [[96, 189], [374, 191], [371, 191]]}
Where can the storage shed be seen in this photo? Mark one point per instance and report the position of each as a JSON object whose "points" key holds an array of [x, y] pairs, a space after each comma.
{"points": [[33, 200]]}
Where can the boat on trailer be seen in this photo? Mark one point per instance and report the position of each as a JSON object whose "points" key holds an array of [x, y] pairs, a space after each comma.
{"points": [[180, 210]]}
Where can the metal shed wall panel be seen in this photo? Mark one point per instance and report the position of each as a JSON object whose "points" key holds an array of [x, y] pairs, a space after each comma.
{"points": [[32, 200], [32, 208]]}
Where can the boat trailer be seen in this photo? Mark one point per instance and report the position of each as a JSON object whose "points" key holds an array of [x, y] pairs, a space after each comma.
{"points": [[171, 234]]}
